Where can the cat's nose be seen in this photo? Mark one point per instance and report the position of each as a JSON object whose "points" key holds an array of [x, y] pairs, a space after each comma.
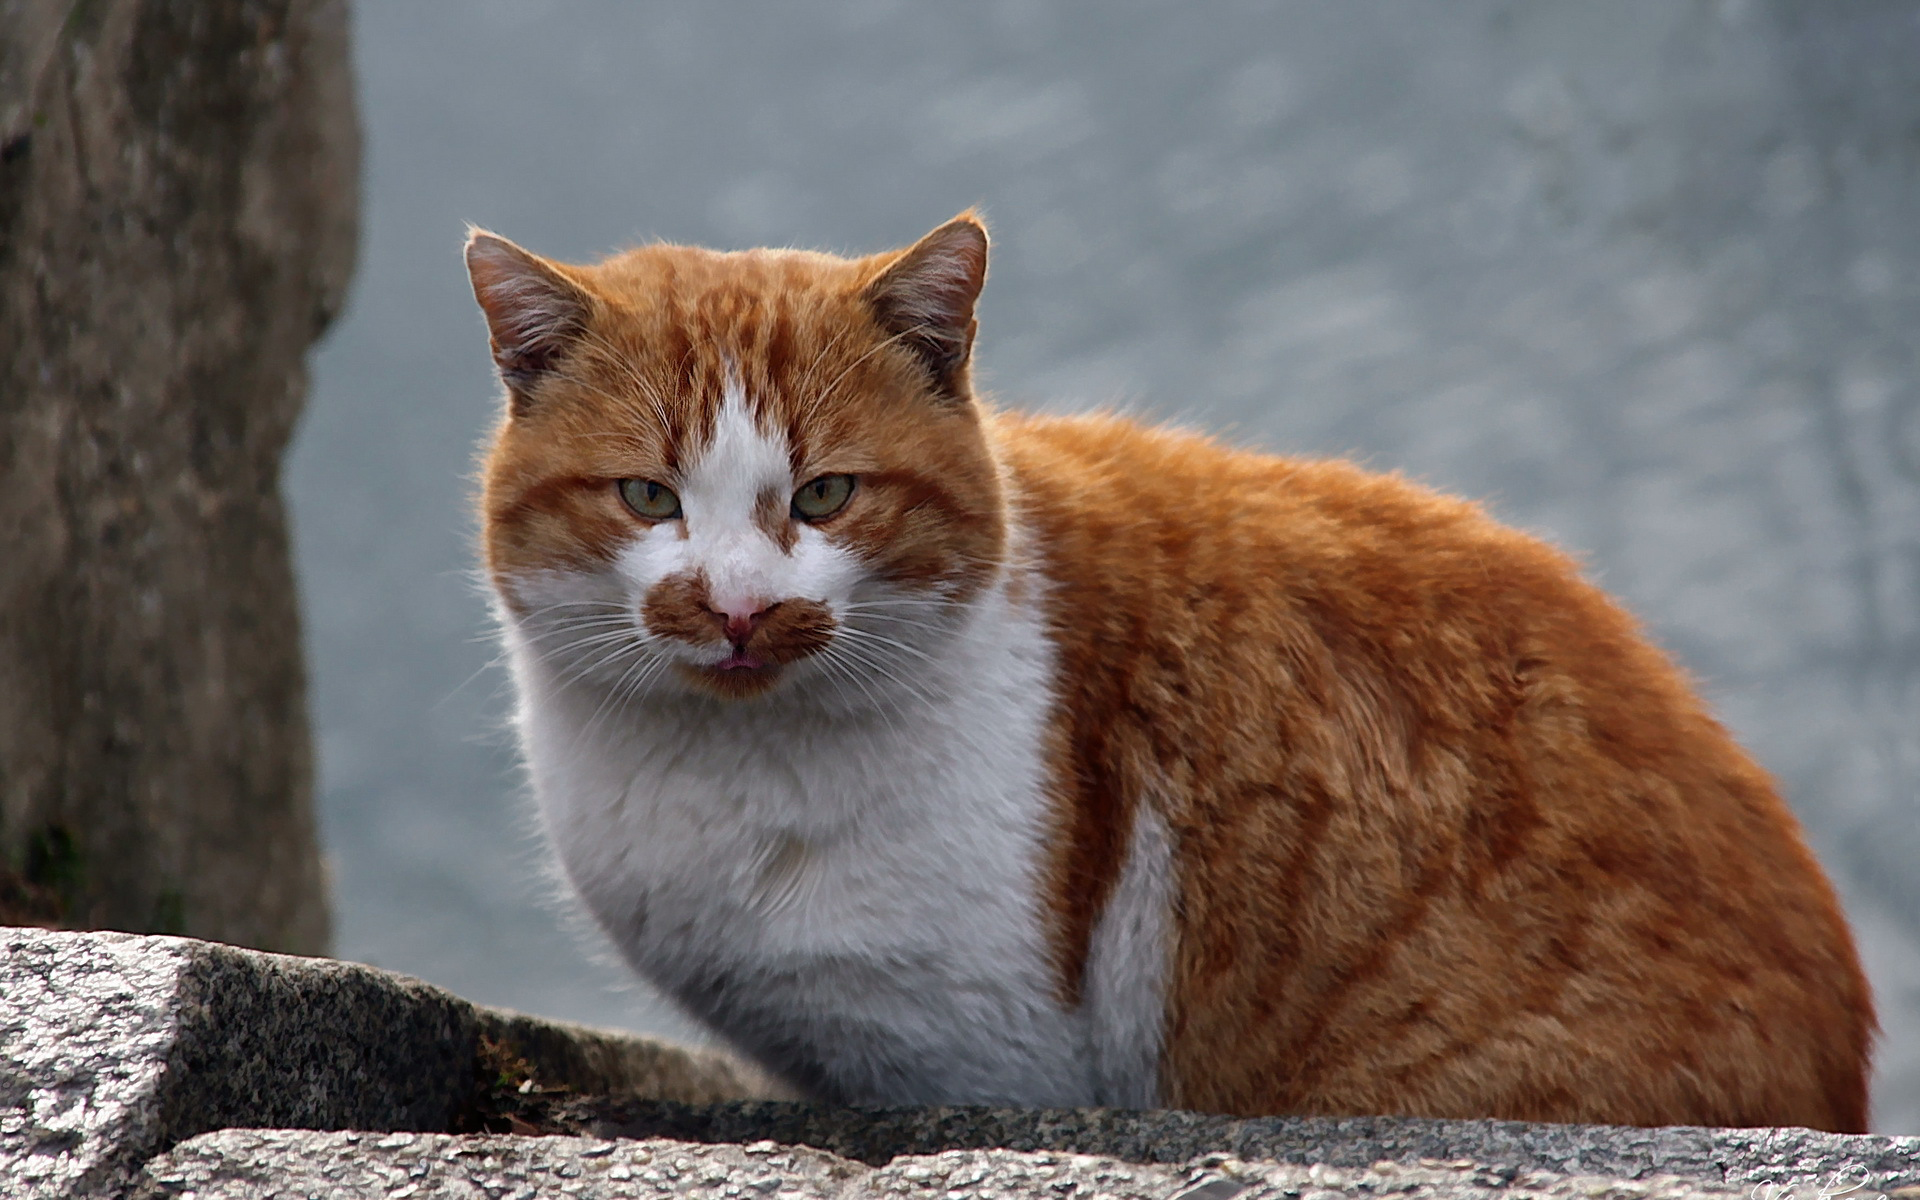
{"points": [[740, 618]]}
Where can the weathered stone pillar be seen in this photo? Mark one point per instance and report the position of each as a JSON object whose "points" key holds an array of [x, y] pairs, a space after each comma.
{"points": [[178, 186]]}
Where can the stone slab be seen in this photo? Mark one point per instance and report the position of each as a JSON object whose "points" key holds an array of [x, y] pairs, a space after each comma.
{"points": [[247, 1163], [1732, 1157], [114, 1047]]}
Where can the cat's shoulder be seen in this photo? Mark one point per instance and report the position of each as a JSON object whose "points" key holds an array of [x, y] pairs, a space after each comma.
{"points": [[1124, 482]]}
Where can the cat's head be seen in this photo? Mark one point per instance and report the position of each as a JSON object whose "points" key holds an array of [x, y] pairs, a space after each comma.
{"points": [[735, 474]]}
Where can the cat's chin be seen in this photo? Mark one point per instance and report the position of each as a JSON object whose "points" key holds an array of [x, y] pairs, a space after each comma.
{"points": [[732, 682]]}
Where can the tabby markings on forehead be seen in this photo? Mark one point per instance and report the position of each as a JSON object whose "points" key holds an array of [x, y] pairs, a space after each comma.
{"points": [[739, 462]]}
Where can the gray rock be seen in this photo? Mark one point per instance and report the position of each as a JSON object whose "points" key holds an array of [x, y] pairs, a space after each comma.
{"points": [[248, 1163], [165, 1067], [114, 1047], [86, 1031], [1742, 1157]]}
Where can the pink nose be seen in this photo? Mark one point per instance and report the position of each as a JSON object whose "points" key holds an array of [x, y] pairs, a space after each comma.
{"points": [[741, 618]]}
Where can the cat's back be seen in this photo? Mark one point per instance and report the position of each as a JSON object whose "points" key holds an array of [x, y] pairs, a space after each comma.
{"points": [[1104, 489], [1451, 838], [1166, 537]]}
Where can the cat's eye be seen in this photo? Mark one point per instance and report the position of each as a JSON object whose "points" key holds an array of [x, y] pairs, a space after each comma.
{"points": [[654, 501], [821, 498]]}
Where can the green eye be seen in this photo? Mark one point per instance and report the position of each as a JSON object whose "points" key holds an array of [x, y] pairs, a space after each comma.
{"points": [[654, 501], [822, 497]]}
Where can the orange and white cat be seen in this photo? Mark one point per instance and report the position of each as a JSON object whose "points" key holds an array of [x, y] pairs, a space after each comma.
{"points": [[934, 753]]}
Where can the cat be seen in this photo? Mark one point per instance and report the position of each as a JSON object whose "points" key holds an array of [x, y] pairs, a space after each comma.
{"points": [[936, 753]]}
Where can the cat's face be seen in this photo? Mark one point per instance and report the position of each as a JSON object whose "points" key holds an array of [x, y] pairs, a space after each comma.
{"points": [[738, 475]]}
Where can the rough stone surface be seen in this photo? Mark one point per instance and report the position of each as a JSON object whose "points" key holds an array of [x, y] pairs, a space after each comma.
{"points": [[113, 1047], [85, 1036], [251, 1163], [178, 194], [1742, 1157]]}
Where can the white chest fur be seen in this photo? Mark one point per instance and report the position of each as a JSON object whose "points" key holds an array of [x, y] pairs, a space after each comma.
{"points": [[855, 899]]}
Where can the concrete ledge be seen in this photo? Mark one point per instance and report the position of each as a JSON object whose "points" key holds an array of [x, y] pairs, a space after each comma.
{"points": [[166, 1067], [244, 1164], [1737, 1158], [115, 1047]]}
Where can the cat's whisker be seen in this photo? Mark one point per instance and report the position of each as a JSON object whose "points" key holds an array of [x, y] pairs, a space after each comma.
{"points": [[899, 602], [899, 608], [643, 681], [568, 620], [867, 707], [897, 622], [574, 650], [805, 387], [585, 645], [592, 625], [830, 672], [560, 641], [589, 671], [602, 651], [905, 601], [859, 634], [610, 355], [872, 661], [632, 443], [623, 364], [872, 350], [573, 671], [623, 401], [874, 703], [617, 697], [613, 358], [632, 682], [498, 660], [565, 604], [884, 618]]}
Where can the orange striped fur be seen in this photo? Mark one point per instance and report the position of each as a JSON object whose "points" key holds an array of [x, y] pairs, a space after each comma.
{"points": [[1450, 837]]}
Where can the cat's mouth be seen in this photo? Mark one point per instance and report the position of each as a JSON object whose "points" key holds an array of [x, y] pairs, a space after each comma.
{"points": [[738, 676], [740, 660]]}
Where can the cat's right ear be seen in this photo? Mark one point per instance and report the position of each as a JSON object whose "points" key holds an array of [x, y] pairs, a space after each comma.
{"points": [[533, 312]]}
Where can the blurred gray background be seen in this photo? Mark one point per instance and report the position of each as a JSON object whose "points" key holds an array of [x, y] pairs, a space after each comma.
{"points": [[1645, 277]]}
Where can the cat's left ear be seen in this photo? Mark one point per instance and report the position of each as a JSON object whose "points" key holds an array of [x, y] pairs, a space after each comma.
{"points": [[926, 299], [533, 312]]}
